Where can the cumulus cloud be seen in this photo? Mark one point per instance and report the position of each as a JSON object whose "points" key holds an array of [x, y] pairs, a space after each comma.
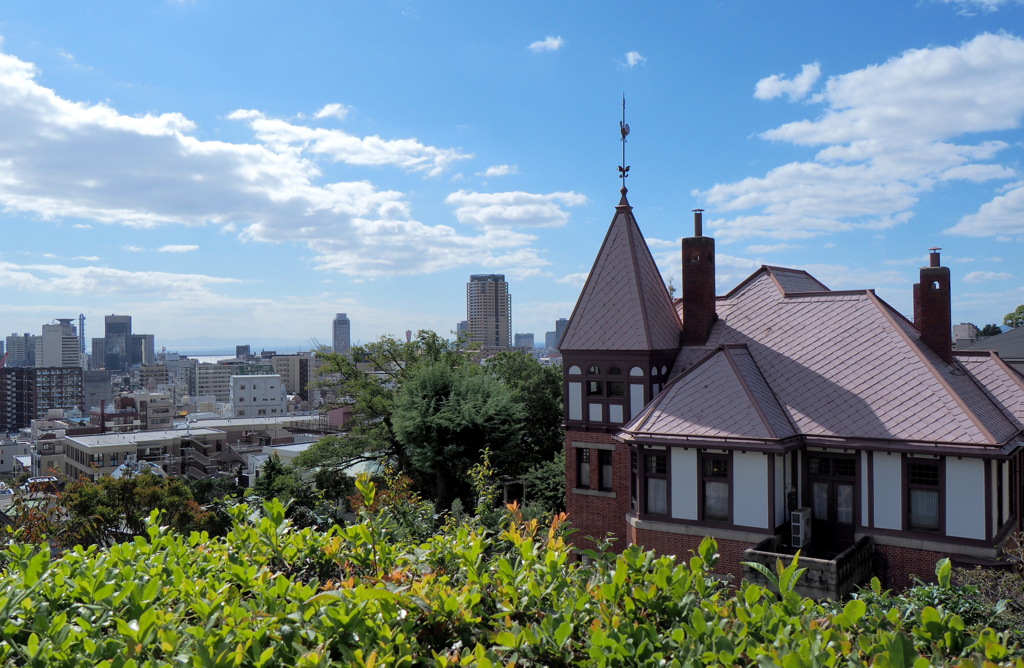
{"points": [[61, 159], [795, 89], [984, 6], [333, 110], [500, 170], [549, 43], [178, 248], [102, 280], [1002, 215], [887, 134], [513, 209], [285, 138], [982, 276], [633, 58]]}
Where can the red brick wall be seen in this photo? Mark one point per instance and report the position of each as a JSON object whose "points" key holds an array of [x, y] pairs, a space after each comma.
{"points": [[730, 552], [597, 516], [894, 565]]}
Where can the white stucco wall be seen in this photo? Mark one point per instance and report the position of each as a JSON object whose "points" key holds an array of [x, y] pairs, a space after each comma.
{"points": [[575, 401], [750, 489], [965, 498], [865, 497], [888, 491], [684, 484], [780, 488]]}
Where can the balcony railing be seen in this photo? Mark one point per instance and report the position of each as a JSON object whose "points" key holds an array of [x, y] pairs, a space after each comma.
{"points": [[831, 578]]}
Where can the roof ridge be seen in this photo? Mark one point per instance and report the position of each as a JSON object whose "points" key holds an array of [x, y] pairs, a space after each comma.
{"points": [[747, 389], [885, 311]]}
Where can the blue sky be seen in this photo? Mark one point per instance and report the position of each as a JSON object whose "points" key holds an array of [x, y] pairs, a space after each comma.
{"points": [[242, 171]]}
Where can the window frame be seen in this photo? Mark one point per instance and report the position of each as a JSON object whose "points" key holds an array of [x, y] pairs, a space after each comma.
{"points": [[939, 488], [706, 476], [583, 468], [647, 458], [605, 470]]}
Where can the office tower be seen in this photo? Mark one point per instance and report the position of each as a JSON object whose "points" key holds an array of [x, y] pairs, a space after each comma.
{"points": [[560, 326], [58, 345], [489, 310], [342, 333], [21, 350], [117, 342], [524, 341], [243, 352], [143, 349]]}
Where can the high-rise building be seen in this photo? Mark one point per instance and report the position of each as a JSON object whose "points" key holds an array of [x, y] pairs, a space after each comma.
{"points": [[21, 350], [28, 393], [524, 341], [342, 333], [489, 310], [560, 326], [117, 332], [58, 345]]}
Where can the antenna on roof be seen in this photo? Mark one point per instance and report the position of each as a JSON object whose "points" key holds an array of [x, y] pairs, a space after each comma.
{"points": [[623, 130]]}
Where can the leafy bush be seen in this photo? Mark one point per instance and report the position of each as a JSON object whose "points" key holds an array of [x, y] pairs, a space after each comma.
{"points": [[270, 594]]}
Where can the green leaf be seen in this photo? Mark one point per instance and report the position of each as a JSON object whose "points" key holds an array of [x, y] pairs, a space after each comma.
{"points": [[854, 610], [943, 569]]}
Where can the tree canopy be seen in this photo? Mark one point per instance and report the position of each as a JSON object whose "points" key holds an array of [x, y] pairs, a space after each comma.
{"points": [[990, 330], [428, 409], [1015, 318]]}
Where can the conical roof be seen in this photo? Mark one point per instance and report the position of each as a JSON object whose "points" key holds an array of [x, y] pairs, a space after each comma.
{"points": [[624, 304]]}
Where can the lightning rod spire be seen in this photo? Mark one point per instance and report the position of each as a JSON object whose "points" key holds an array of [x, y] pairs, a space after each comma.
{"points": [[623, 131]]}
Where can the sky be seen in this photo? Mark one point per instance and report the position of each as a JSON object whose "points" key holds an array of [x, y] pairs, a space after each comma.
{"points": [[238, 172]]}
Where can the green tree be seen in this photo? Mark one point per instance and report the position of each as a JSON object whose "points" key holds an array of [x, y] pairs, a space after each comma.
{"points": [[1015, 318], [445, 416], [990, 330], [115, 509], [367, 381], [537, 390]]}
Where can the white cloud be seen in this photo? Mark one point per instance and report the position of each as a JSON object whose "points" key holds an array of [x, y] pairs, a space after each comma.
{"points": [[633, 58], [61, 159], [500, 170], [1002, 215], [102, 280], [333, 110], [795, 89], [549, 43], [770, 248], [888, 134], [286, 138], [132, 249], [178, 248], [981, 276], [577, 279], [974, 6], [513, 209]]}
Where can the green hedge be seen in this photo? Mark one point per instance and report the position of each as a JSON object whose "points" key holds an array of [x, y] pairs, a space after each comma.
{"points": [[271, 595]]}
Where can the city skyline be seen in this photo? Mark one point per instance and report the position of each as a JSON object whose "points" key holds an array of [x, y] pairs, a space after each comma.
{"points": [[231, 176]]}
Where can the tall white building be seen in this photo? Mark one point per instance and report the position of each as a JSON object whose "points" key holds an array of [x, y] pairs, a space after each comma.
{"points": [[342, 332], [59, 345], [258, 396]]}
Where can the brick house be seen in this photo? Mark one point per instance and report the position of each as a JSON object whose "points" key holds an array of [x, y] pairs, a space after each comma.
{"points": [[784, 415]]}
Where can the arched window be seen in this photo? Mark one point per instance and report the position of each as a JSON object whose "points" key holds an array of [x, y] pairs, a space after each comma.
{"points": [[614, 371], [636, 371], [574, 371], [594, 370]]}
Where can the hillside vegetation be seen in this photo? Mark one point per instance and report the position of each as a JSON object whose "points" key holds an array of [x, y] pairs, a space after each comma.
{"points": [[373, 594]]}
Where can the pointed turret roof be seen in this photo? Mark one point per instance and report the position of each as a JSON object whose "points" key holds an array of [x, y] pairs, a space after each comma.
{"points": [[624, 304]]}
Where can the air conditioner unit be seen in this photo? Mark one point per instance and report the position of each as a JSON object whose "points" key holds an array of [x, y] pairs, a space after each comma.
{"points": [[800, 527]]}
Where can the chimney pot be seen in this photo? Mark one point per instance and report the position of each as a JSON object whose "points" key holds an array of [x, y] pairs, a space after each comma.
{"points": [[933, 257], [698, 222]]}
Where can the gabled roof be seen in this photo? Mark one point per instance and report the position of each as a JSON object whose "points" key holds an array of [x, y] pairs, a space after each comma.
{"points": [[1009, 345], [624, 305], [687, 406], [841, 365]]}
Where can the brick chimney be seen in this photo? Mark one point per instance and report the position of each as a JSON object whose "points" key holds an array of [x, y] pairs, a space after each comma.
{"points": [[932, 307], [698, 290]]}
